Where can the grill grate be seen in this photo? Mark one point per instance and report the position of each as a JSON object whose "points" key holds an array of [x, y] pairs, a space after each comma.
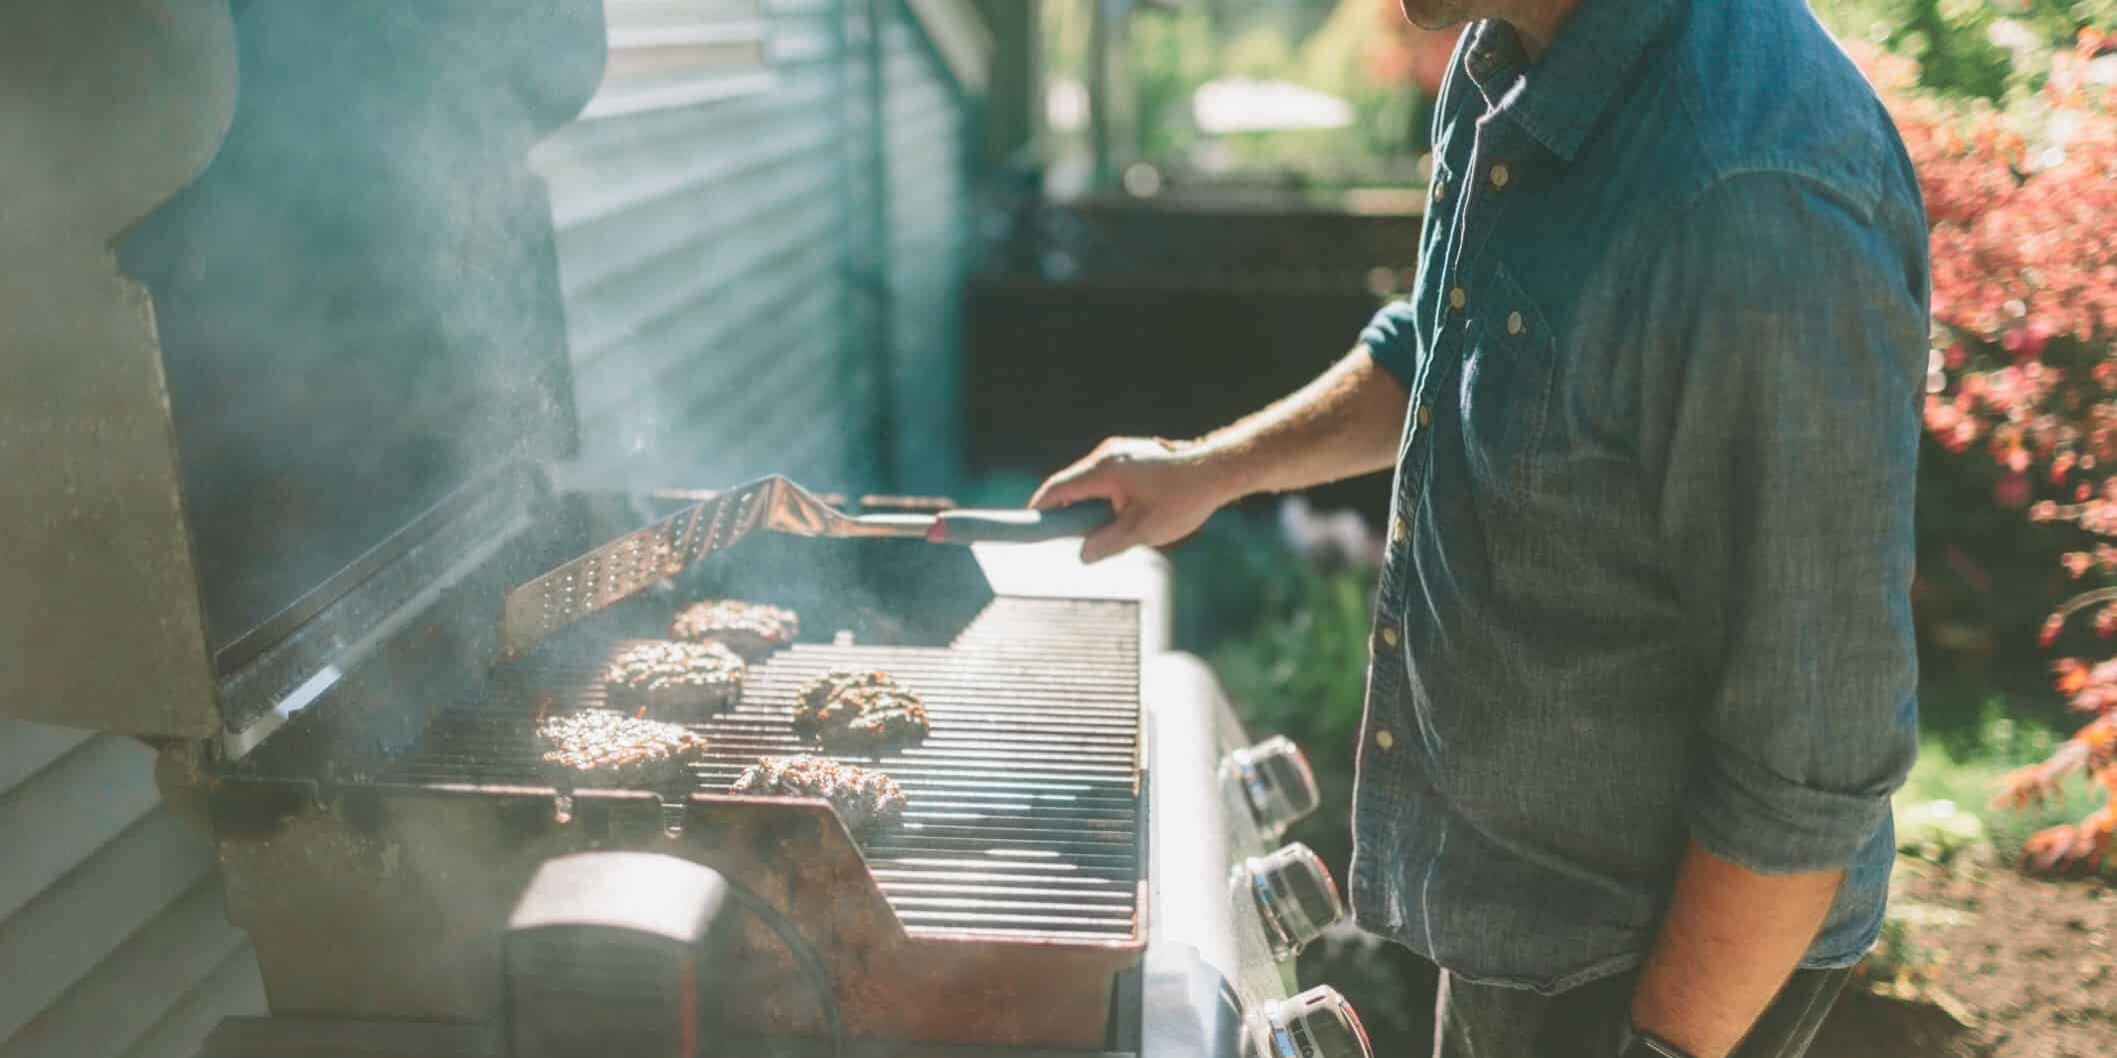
{"points": [[1023, 815]]}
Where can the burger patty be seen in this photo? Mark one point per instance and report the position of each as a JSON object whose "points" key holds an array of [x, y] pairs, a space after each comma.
{"points": [[748, 628], [598, 747], [864, 711], [865, 800], [674, 681], [816, 694]]}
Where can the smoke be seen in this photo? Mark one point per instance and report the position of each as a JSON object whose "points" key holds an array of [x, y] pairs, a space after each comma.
{"points": [[362, 301], [357, 299]]}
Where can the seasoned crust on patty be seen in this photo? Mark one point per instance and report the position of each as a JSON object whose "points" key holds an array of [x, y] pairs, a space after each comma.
{"points": [[864, 799], [674, 680], [818, 691], [860, 711], [598, 747], [748, 628]]}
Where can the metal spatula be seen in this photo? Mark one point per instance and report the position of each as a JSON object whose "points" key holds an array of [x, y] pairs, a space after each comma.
{"points": [[631, 563]]}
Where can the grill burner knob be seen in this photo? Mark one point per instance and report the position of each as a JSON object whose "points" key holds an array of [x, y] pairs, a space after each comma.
{"points": [[1295, 895], [1277, 782], [1318, 1023]]}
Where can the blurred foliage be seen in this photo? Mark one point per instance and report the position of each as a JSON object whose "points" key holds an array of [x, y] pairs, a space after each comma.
{"points": [[1388, 116], [1358, 51], [1984, 585], [2023, 364], [1172, 54], [1899, 964], [1985, 49], [1300, 670], [1288, 639], [1967, 768], [1326, 45]]}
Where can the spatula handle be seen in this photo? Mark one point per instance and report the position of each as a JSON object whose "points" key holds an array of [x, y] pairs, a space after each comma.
{"points": [[1020, 526]]}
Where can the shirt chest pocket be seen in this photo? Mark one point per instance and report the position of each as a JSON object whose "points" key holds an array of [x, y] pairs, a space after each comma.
{"points": [[1504, 390]]}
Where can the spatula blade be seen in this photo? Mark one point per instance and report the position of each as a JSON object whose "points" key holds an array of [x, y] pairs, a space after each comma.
{"points": [[628, 565]]}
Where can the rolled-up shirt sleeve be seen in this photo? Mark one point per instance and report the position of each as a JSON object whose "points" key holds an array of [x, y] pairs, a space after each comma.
{"points": [[1390, 338], [1791, 345]]}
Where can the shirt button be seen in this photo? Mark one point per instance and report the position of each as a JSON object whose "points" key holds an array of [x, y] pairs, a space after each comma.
{"points": [[1457, 298], [1398, 530], [1440, 189], [1514, 323], [1500, 175], [1384, 739], [1389, 634], [1425, 415]]}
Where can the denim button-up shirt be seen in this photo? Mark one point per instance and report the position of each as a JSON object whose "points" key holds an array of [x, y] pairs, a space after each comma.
{"points": [[1650, 555]]}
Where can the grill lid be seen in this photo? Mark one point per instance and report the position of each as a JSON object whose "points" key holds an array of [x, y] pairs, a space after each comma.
{"points": [[354, 315]]}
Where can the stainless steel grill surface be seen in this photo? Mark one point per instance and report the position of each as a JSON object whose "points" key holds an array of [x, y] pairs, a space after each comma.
{"points": [[1024, 814]]}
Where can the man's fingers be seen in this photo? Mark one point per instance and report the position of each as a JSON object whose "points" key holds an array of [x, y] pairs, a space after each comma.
{"points": [[1112, 538], [1085, 480]]}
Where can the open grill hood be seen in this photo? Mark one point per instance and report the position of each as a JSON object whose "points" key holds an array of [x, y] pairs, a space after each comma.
{"points": [[350, 322]]}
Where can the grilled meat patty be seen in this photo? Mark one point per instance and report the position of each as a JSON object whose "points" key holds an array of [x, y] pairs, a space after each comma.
{"points": [[862, 712], [865, 800], [597, 747], [748, 628], [817, 693], [674, 681], [869, 719]]}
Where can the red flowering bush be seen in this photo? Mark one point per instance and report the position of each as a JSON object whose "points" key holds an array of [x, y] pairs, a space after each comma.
{"points": [[2023, 209]]}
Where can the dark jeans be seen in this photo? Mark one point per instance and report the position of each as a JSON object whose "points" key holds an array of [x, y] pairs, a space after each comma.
{"points": [[1485, 1021]]}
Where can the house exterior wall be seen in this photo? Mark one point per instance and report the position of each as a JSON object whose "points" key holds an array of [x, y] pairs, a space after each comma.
{"points": [[757, 282]]}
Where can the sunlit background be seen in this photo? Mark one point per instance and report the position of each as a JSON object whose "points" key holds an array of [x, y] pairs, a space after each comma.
{"points": [[940, 247]]}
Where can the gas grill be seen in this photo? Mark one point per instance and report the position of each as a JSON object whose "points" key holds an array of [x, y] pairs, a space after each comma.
{"points": [[279, 549], [1084, 864]]}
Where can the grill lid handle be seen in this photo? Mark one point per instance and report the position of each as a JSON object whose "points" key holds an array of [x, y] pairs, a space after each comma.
{"points": [[1020, 526]]}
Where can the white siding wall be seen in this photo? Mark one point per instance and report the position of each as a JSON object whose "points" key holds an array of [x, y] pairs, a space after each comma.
{"points": [[113, 937], [711, 256], [929, 202]]}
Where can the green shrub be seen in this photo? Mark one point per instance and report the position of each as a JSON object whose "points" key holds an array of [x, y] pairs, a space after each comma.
{"points": [[1288, 638], [1953, 40]]}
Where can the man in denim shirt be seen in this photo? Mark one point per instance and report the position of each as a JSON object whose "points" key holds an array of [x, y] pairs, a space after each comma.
{"points": [[1642, 672]]}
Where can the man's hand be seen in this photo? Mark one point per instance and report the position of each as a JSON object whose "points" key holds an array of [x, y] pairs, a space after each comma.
{"points": [[1345, 422], [1162, 491]]}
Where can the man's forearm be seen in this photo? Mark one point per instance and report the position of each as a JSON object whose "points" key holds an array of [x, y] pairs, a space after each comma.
{"points": [[1730, 939], [1346, 422]]}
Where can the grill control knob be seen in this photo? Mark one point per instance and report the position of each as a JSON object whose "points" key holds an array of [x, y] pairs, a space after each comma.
{"points": [[1295, 896], [1277, 782], [1318, 1023]]}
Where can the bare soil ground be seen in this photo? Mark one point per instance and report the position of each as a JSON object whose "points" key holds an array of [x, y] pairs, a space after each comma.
{"points": [[1999, 966]]}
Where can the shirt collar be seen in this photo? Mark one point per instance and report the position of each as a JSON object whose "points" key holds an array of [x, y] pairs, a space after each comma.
{"points": [[1560, 97]]}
